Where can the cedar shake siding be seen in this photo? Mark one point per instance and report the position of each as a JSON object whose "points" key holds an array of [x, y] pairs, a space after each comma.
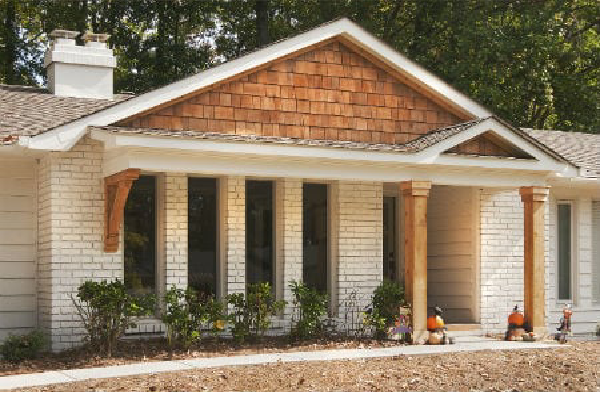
{"points": [[330, 92], [487, 144]]}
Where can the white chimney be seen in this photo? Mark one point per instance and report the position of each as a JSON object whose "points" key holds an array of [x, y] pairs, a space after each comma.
{"points": [[80, 71]]}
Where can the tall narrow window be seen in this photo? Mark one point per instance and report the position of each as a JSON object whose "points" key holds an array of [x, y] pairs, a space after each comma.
{"points": [[565, 251], [315, 229], [390, 259], [259, 232], [202, 235], [140, 236]]}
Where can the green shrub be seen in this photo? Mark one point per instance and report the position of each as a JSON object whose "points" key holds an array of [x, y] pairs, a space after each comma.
{"points": [[310, 306], [215, 316], [187, 313], [107, 310], [180, 317], [17, 348], [388, 297], [252, 313]]}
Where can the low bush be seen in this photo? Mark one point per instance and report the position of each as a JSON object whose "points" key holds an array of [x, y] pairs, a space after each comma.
{"points": [[107, 310], [186, 313], [17, 348], [251, 314], [180, 317], [310, 306], [388, 297]]}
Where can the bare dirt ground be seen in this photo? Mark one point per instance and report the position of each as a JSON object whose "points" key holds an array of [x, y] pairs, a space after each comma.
{"points": [[570, 368], [135, 351]]}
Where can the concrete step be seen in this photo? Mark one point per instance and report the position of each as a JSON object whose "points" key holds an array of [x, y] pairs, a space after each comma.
{"points": [[464, 329]]}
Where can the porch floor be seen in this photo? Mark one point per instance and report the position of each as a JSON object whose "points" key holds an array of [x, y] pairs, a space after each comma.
{"points": [[463, 344]]}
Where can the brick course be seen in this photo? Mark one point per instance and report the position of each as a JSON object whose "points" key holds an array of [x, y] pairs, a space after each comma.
{"points": [[70, 246], [358, 213], [175, 228], [502, 256]]}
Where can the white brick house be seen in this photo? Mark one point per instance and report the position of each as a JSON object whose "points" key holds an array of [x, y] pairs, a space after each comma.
{"points": [[327, 157]]}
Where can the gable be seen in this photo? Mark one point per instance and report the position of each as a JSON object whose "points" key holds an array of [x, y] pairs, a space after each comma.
{"points": [[489, 144], [329, 92]]}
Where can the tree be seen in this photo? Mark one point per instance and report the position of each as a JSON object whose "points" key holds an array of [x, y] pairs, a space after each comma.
{"points": [[534, 63]]}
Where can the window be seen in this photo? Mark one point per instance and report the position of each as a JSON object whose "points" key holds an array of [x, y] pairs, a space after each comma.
{"points": [[140, 236], [259, 232], [202, 235], [390, 258], [315, 233], [565, 248]]}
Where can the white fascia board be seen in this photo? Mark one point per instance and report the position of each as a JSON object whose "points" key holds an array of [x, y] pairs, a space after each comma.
{"points": [[577, 184], [211, 164], [64, 137], [280, 151]]}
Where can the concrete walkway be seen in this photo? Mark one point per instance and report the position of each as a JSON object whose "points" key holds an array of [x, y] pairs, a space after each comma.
{"points": [[463, 344]]}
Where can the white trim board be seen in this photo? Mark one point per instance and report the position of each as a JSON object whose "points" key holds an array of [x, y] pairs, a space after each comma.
{"points": [[430, 157], [64, 137], [219, 164]]}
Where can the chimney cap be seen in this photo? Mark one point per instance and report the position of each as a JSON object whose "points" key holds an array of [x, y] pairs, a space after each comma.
{"points": [[67, 34], [96, 37]]}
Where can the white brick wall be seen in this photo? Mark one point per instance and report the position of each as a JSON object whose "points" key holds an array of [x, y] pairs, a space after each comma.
{"points": [[586, 313], [233, 233], [501, 256], [359, 211], [175, 228], [70, 246], [288, 205]]}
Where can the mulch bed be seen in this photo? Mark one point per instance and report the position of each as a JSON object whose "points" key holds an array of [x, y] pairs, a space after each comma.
{"points": [[138, 350], [573, 367]]}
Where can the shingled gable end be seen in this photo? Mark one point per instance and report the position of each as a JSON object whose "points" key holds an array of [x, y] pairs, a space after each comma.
{"points": [[329, 92]]}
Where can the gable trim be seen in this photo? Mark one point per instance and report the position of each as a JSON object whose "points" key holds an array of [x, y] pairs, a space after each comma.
{"points": [[64, 137], [492, 124]]}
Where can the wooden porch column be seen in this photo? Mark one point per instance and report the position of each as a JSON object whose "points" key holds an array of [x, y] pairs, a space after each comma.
{"points": [[116, 191], [534, 199], [415, 253]]}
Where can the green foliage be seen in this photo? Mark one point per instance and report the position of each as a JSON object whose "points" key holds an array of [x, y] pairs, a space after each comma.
{"points": [[107, 310], [388, 297], [28, 346], [215, 316], [180, 317], [531, 62], [311, 307], [186, 314], [252, 313]]}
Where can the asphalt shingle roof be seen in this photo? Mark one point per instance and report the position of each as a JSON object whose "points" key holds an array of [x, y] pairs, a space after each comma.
{"points": [[581, 149], [431, 138], [27, 111]]}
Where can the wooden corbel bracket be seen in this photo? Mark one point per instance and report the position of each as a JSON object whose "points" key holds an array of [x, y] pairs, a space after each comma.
{"points": [[116, 190]]}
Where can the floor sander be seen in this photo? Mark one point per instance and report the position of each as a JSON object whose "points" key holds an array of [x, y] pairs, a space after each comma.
{"points": [[438, 333]]}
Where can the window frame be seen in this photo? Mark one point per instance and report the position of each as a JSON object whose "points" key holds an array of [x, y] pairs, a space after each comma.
{"points": [[574, 258], [219, 273], [275, 271], [158, 234], [328, 265]]}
